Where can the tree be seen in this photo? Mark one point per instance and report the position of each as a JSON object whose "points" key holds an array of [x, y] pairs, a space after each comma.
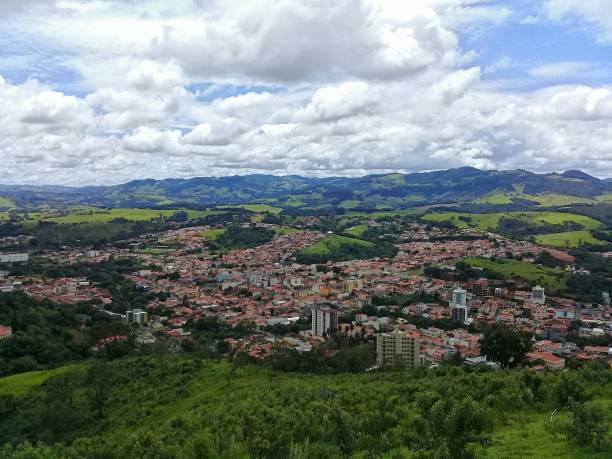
{"points": [[505, 345], [587, 426]]}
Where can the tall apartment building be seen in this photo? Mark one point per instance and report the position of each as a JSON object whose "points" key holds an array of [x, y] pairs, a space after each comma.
{"points": [[324, 319], [460, 308], [537, 295], [398, 347], [605, 296]]}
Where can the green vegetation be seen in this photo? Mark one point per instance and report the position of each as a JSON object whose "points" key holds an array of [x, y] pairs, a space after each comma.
{"points": [[258, 208], [171, 407], [568, 239], [21, 384], [554, 280], [504, 345], [357, 230], [44, 334], [6, 203], [238, 237], [342, 248], [108, 215], [490, 222], [528, 436], [284, 229], [542, 199], [212, 233]]}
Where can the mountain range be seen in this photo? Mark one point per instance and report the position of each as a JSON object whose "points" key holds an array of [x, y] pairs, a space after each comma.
{"points": [[394, 190]]}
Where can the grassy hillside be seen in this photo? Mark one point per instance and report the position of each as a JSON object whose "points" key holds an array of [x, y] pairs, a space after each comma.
{"points": [[6, 203], [23, 383], [568, 239], [107, 215], [554, 280], [490, 222], [169, 407]]}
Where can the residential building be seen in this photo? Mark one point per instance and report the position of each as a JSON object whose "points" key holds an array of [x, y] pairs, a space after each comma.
{"points": [[14, 257], [551, 361], [606, 299], [136, 316], [352, 285], [5, 331], [398, 347], [324, 319], [537, 295], [460, 308]]}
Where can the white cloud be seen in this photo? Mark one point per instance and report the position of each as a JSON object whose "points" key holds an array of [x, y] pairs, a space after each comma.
{"points": [[561, 70], [596, 13]]}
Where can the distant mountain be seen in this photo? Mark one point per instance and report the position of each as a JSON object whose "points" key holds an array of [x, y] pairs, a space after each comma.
{"points": [[372, 191]]}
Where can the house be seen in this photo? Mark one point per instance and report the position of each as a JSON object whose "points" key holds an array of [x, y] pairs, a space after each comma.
{"points": [[5, 331], [551, 361]]}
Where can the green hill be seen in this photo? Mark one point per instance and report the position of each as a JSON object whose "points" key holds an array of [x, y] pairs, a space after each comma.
{"points": [[341, 248], [174, 407]]}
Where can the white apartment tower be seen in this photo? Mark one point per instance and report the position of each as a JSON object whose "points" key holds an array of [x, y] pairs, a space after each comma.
{"points": [[537, 295], [324, 319], [460, 309]]}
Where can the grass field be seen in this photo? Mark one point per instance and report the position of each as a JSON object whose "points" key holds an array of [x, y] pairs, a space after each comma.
{"points": [[489, 222], [212, 233], [552, 279], [284, 230], [527, 437], [385, 213], [22, 383], [107, 215], [332, 243], [543, 199], [258, 208], [568, 239], [357, 230], [6, 203]]}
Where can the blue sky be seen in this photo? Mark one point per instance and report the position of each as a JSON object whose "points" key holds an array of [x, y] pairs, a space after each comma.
{"points": [[98, 91]]}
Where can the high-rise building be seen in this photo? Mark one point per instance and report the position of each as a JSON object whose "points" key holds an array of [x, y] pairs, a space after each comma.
{"points": [[136, 316], [459, 297], [606, 299], [537, 295], [324, 319], [460, 309], [398, 347]]}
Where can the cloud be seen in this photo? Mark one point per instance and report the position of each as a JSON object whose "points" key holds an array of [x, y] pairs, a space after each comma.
{"points": [[561, 70], [595, 13]]}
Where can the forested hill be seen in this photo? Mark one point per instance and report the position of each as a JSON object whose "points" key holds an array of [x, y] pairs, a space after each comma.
{"points": [[388, 190]]}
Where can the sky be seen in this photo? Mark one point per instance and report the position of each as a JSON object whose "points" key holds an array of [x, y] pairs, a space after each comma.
{"points": [[103, 92]]}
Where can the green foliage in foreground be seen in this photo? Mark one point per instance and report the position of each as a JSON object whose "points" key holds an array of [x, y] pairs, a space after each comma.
{"points": [[171, 407]]}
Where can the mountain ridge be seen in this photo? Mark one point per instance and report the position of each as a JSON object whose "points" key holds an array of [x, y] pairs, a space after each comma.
{"points": [[389, 190]]}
